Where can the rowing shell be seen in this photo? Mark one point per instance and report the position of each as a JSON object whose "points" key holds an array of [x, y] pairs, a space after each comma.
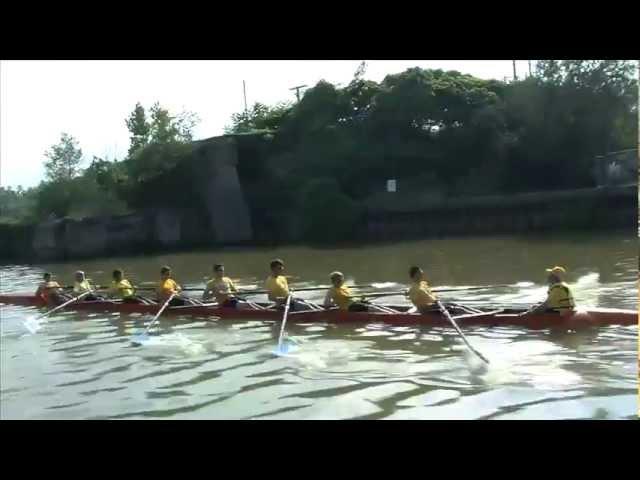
{"points": [[580, 318]]}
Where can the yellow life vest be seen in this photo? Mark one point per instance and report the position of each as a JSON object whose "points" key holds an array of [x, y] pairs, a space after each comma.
{"points": [[560, 297]]}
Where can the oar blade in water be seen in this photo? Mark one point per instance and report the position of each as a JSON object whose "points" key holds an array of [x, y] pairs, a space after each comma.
{"points": [[140, 339], [285, 349], [33, 324]]}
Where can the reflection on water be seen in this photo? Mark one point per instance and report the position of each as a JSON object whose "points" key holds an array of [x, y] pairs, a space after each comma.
{"points": [[83, 365]]}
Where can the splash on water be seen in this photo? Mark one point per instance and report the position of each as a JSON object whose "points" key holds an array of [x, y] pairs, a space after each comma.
{"points": [[384, 285], [586, 288], [175, 341], [34, 325]]}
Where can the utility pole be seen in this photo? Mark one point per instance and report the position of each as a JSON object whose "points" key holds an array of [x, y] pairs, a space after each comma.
{"points": [[244, 89], [297, 89], [529, 67], [515, 76]]}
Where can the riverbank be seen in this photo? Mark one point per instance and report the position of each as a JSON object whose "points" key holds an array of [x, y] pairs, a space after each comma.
{"points": [[386, 217], [391, 216]]}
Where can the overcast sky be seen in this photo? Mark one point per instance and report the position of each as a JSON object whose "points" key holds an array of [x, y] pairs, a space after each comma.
{"points": [[91, 99]]}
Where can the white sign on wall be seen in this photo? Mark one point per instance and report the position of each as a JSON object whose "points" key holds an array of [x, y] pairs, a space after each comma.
{"points": [[391, 185]]}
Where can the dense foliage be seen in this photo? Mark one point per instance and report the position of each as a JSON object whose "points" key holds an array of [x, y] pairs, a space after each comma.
{"points": [[440, 132], [458, 133]]}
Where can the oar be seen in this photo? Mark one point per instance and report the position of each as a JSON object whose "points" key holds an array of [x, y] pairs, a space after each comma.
{"points": [[304, 289], [480, 287], [382, 294], [29, 322], [438, 290], [139, 339], [63, 305], [455, 325], [280, 350]]}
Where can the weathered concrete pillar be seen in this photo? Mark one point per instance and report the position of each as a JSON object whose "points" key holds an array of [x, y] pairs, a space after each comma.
{"points": [[219, 186], [168, 227], [86, 238], [48, 240], [129, 233]]}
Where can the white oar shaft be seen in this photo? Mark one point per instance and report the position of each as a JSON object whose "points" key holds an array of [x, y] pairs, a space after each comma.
{"points": [[164, 306], [464, 289], [284, 321], [455, 325], [63, 305]]}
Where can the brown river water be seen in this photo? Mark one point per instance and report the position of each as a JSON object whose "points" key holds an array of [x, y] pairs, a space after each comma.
{"points": [[84, 366]]}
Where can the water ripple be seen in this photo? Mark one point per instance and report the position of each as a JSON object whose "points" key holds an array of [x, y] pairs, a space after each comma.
{"points": [[83, 365]]}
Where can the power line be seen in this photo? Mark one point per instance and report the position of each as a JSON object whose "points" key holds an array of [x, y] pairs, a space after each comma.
{"points": [[244, 89]]}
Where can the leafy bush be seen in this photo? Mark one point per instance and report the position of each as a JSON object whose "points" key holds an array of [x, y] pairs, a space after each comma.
{"points": [[326, 214]]}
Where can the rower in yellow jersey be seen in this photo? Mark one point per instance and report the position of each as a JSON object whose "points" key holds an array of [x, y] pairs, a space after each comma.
{"points": [[278, 289], [559, 296], [49, 291], [82, 285], [167, 287], [339, 295], [122, 289], [420, 294], [221, 288], [276, 283]]}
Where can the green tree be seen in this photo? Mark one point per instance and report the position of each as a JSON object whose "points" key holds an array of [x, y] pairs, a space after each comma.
{"points": [[166, 128], [259, 117], [161, 127], [16, 205], [326, 213], [64, 159], [159, 143], [108, 175], [139, 128]]}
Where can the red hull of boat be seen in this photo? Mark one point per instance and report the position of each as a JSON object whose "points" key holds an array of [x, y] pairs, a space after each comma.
{"points": [[594, 317]]}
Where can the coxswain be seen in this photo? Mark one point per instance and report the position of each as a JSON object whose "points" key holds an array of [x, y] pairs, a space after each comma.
{"points": [[420, 294], [49, 291], [339, 295], [221, 288], [559, 296]]}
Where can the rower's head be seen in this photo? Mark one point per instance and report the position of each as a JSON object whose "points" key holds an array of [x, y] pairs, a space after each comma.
{"points": [[416, 274], [218, 270], [556, 274], [277, 266], [118, 274], [165, 272], [79, 276], [46, 277], [337, 279]]}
